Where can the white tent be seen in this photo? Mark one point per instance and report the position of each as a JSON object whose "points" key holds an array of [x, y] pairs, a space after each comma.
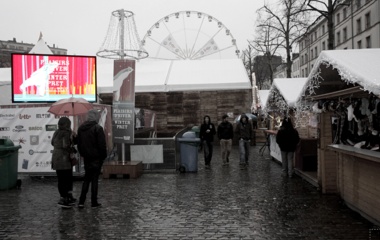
{"points": [[355, 67], [192, 75], [41, 47], [167, 76]]}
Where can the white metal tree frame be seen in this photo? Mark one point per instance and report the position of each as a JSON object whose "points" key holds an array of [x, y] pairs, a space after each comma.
{"points": [[189, 35], [122, 40]]}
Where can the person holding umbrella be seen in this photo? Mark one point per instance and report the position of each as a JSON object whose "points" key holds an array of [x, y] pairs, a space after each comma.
{"points": [[92, 147], [62, 141]]}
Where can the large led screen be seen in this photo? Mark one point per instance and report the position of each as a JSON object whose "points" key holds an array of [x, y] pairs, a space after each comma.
{"points": [[48, 78]]}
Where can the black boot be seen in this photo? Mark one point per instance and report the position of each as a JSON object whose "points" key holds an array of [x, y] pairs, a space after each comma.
{"points": [[64, 203], [71, 199]]}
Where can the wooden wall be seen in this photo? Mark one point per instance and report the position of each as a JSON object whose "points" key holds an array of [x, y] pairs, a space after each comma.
{"points": [[327, 159], [358, 182], [176, 110]]}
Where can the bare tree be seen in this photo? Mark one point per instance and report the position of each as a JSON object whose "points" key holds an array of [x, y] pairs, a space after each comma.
{"points": [[288, 20], [327, 8], [266, 44], [248, 56]]}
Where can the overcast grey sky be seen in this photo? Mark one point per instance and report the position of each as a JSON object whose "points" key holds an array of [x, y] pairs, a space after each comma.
{"points": [[81, 25]]}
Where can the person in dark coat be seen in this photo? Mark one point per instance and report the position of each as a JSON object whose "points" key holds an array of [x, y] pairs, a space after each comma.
{"points": [[62, 141], [92, 147], [206, 135], [225, 134], [244, 135], [287, 139]]}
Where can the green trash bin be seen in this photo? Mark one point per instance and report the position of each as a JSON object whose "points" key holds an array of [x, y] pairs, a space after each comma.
{"points": [[8, 164], [196, 129]]}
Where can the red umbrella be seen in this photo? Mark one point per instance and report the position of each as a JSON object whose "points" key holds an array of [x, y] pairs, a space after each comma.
{"points": [[70, 107]]}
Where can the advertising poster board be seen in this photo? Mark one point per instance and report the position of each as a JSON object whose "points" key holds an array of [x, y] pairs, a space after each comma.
{"points": [[32, 129], [275, 151]]}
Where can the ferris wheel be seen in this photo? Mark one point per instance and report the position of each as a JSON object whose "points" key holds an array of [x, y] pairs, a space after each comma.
{"points": [[189, 35]]}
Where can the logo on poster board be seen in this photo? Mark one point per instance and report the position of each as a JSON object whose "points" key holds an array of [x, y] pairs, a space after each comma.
{"points": [[24, 116], [34, 139], [51, 127], [7, 116], [31, 152], [35, 128], [19, 128], [44, 115], [21, 141]]}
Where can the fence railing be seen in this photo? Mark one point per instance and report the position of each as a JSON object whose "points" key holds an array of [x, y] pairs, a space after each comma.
{"points": [[171, 155]]}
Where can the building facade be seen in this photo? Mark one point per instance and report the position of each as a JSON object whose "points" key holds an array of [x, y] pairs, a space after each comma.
{"points": [[356, 26], [7, 47], [296, 66], [262, 66], [280, 71]]}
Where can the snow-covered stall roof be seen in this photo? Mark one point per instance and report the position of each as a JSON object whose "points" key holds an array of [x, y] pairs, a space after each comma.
{"points": [[290, 89], [336, 70], [191, 75]]}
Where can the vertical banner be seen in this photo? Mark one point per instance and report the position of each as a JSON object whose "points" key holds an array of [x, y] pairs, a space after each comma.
{"points": [[124, 81], [122, 123], [123, 113]]}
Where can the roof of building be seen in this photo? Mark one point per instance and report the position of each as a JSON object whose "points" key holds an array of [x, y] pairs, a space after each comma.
{"points": [[336, 70], [175, 75]]}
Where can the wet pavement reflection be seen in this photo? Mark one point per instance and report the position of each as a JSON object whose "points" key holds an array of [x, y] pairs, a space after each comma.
{"points": [[217, 203]]}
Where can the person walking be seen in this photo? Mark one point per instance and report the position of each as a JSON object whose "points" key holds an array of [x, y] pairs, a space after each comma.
{"points": [[206, 135], [287, 139], [62, 140], [244, 135], [225, 134], [92, 147]]}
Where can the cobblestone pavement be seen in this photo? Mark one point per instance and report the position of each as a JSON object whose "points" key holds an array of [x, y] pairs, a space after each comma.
{"points": [[220, 203]]}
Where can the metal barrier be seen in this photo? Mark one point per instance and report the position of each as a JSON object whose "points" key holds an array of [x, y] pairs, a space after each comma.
{"points": [[171, 155]]}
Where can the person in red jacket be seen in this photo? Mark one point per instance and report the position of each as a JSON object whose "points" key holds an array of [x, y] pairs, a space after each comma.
{"points": [[92, 147], [287, 139]]}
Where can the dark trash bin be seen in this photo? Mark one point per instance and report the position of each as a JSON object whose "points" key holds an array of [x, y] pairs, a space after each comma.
{"points": [[196, 130], [189, 152], [8, 164]]}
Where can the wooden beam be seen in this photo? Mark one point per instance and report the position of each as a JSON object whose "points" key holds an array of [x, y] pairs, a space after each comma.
{"points": [[336, 94], [328, 83]]}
